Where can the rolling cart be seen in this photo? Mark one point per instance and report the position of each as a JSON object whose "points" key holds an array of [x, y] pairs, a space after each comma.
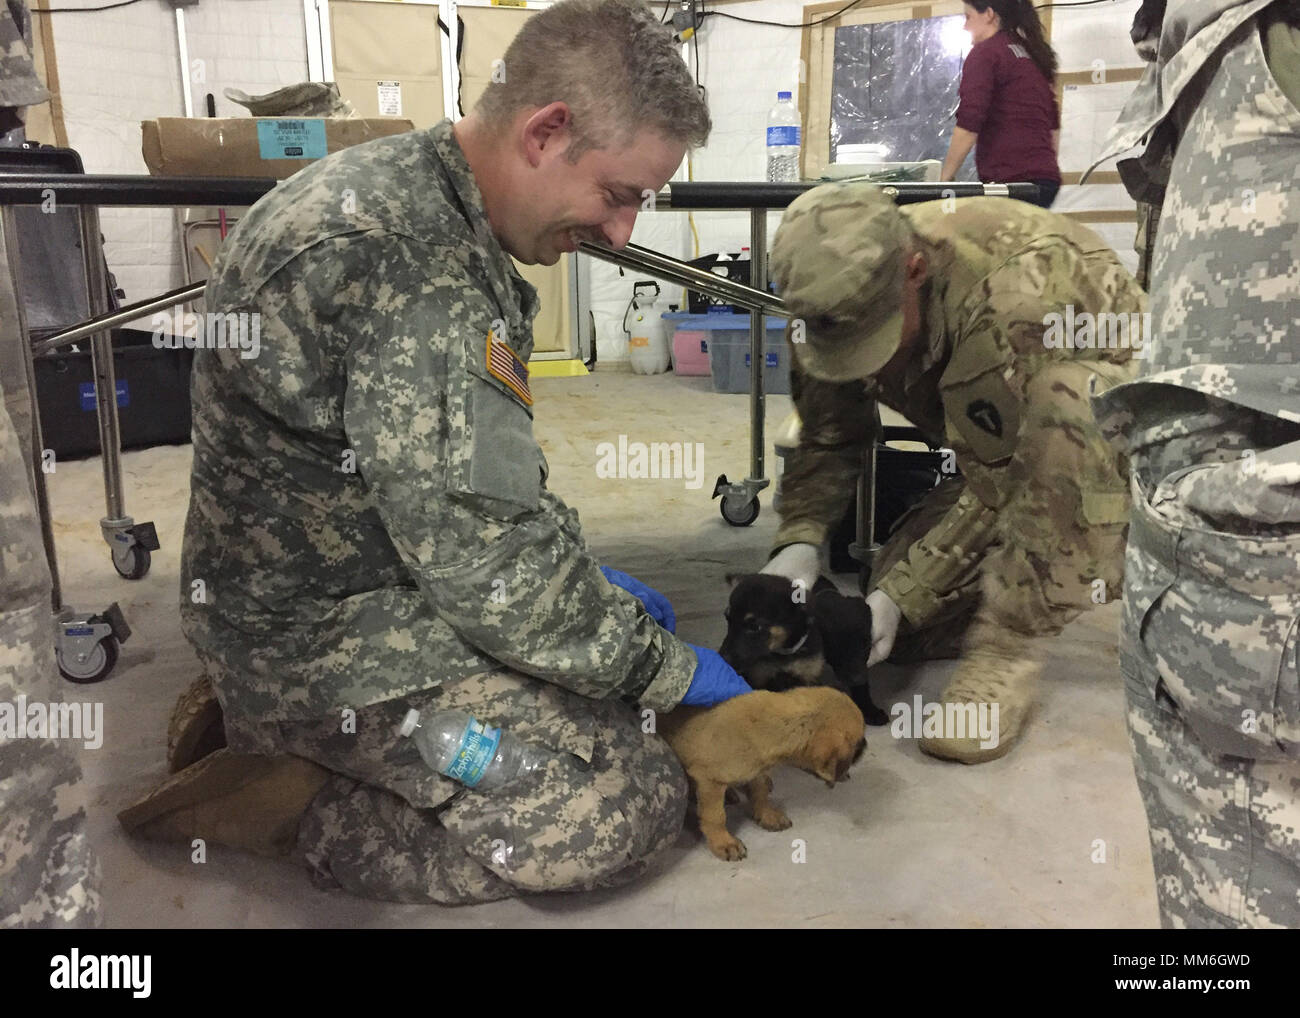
{"points": [[46, 205]]}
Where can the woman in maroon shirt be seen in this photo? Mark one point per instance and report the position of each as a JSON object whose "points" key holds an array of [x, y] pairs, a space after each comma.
{"points": [[1008, 110]]}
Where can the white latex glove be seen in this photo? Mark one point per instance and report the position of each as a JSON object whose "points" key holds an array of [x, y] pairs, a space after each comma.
{"points": [[801, 562], [885, 617]]}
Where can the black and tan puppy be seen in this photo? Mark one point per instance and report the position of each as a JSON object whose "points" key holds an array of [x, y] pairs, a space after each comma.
{"points": [[737, 742], [780, 636]]}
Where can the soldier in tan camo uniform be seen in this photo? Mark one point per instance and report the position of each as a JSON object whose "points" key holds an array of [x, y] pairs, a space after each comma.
{"points": [[942, 311]]}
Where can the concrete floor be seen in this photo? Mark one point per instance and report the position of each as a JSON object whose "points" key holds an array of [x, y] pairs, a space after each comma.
{"points": [[909, 842]]}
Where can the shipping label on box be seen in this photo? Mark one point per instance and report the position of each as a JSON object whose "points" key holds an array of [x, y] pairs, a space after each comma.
{"points": [[291, 139]]}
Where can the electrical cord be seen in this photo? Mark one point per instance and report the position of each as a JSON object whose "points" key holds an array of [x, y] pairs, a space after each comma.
{"points": [[781, 24], [695, 48], [460, 45], [82, 10], [1078, 3], [855, 3]]}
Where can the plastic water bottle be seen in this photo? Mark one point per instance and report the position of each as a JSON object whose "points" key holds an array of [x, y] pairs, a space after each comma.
{"points": [[783, 140], [466, 750]]}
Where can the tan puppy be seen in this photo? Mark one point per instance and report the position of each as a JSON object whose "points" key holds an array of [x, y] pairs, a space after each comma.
{"points": [[814, 728]]}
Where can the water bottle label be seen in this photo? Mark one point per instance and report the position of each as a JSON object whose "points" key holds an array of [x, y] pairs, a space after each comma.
{"points": [[783, 135], [478, 748]]}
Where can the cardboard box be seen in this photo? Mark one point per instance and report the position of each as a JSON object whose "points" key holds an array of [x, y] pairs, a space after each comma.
{"points": [[276, 147]]}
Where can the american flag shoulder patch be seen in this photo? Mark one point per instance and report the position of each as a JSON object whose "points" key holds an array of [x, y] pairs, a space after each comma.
{"points": [[504, 365]]}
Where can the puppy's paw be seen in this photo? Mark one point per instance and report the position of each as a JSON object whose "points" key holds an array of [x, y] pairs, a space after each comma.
{"points": [[728, 849], [871, 714], [772, 819]]}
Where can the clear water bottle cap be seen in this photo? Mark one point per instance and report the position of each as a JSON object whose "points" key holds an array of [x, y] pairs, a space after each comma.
{"points": [[782, 95], [410, 722]]}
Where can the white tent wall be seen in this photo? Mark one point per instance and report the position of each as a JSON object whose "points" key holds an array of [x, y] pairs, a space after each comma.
{"points": [[253, 45], [117, 68], [742, 66], [121, 66], [1095, 39]]}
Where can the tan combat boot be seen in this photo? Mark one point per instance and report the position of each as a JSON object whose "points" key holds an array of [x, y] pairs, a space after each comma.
{"points": [[252, 803], [998, 670], [196, 727]]}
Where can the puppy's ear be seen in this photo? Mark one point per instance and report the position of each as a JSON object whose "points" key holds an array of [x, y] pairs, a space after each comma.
{"points": [[849, 753], [820, 757]]}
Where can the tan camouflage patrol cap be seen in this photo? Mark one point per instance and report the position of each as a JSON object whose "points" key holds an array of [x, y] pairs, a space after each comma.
{"points": [[837, 261]]}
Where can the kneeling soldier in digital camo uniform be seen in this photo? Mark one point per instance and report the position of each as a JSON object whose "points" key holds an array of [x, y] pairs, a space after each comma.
{"points": [[370, 528]]}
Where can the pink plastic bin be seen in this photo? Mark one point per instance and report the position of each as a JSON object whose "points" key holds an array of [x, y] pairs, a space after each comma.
{"points": [[691, 352]]}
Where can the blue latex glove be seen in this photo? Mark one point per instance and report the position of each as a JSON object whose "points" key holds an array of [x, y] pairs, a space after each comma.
{"points": [[655, 603], [714, 680]]}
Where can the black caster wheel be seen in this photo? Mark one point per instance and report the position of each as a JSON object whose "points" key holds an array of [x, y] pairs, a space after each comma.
{"points": [[134, 564], [738, 513], [99, 662]]}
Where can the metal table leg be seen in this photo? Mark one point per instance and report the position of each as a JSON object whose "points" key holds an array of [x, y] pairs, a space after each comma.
{"points": [[757, 341], [129, 542], [864, 548], [740, 501]]}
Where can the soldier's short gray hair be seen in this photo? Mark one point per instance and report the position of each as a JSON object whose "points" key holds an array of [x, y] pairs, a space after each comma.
{"points": [[615, 66]]}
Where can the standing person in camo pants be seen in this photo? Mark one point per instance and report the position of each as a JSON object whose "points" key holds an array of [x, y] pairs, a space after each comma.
{"points": [[49, 876], [19, 85], [1212, 429]]}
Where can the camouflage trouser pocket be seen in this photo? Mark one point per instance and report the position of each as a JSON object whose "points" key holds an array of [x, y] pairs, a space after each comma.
{"points": [[1210, 621], [1146, 580], [578, 822], [533, 711]]}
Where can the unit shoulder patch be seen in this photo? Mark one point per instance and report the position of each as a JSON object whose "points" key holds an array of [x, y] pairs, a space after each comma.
{"points": [[986, 416], [986, 413]]}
